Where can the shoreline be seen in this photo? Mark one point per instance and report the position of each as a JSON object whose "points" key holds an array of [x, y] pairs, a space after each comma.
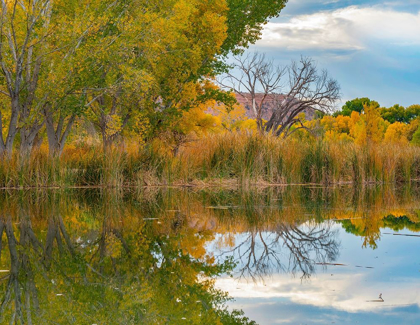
{"points": [[225, 184]]}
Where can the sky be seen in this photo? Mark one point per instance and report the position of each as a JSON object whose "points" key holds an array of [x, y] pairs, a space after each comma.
{"points": [[372, 48]]}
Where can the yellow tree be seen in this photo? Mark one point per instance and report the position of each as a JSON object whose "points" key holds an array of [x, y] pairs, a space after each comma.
{"points": [[154, 66], [24, 33], [234, 118], [368, 127], [42, 53], [375, 125], [90, 30], [397, 132]]}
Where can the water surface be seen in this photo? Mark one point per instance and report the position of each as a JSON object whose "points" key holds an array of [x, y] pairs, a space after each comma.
{"points": [[298, 255]]}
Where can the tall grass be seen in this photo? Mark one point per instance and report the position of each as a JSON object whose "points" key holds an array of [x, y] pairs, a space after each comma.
{"points": [[242, 159]]}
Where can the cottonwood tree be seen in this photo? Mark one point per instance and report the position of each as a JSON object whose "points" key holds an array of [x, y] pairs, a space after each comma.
{"points": [[47, 47], [39, 44], [256, 80], [289, 91], [115, 77], [245, 20], [308, 89], [24, 29], [88, 31], [156, 65]]}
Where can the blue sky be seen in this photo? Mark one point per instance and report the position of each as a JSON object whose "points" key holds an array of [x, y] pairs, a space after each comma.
{"points": [[371, 47]]}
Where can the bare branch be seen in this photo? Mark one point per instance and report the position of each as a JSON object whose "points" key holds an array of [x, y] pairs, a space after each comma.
{"points": [[309, 91], [254, 78]]}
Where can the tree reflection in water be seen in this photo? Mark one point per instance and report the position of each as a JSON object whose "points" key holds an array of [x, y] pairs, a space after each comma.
{"points": [[70, 263], [104, 257], [289, 248]]}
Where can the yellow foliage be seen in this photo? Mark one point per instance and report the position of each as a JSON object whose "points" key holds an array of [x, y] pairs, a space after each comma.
{"points": [[412, 128], [337, 128], [375, 125], [232, 119], [354, 119], [337, 137], [359, 132], [397, 132], [343, 123], [249, 124], [329, 123], [114, 124], [197, 121], [368, 127]]}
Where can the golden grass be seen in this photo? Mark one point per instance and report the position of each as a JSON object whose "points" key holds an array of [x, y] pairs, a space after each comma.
{"points": [[244, 159]]}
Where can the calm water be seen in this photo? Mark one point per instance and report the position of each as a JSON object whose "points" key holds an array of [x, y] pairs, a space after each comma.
{"points": [[294, 255]]}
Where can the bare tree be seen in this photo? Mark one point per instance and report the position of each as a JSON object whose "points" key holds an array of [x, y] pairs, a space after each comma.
{"points": [[309, 90], [290, 91], [255, 79]]}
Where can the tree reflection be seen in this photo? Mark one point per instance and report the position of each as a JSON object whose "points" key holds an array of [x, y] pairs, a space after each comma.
{"points": [[112, 268], [289, 248], [104, 257]]}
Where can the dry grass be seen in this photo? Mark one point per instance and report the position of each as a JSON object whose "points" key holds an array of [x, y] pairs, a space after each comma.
{"points": [[243, 159]]}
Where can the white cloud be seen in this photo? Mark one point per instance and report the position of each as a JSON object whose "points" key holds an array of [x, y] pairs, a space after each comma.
{"points": [[348, 29], [349, 292]]}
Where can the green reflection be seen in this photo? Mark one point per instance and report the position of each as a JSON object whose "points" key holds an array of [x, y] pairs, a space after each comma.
{"points": [[76, 259], [104, 257]]}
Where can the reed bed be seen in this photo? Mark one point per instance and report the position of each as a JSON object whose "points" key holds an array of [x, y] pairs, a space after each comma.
{"points": [[239, 159]]}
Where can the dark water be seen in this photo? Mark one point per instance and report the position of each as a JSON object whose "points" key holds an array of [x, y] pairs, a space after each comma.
{"points": [[294, 255]]}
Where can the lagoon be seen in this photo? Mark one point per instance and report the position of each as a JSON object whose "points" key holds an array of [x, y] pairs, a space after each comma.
{"points": [[295, 254]]}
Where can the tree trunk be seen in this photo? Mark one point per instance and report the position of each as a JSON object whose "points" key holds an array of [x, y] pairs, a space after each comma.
{"points": [[27, 142], [37, 143], [2, 149], [57, 136], [106, 142], [6, 147]]}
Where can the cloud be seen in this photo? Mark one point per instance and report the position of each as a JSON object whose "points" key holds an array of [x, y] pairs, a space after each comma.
{"points": [[349, 292], [348, 29]]}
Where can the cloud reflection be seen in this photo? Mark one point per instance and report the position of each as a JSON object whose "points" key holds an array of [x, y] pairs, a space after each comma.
{"points": [[346, 293]]}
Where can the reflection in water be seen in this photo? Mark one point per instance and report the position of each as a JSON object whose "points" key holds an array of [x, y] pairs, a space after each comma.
{"points": [[288, 248], [103, 263], [103, 257]]}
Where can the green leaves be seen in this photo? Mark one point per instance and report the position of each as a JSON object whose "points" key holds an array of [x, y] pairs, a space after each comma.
{"points": [[355, 105], [246, 19]]}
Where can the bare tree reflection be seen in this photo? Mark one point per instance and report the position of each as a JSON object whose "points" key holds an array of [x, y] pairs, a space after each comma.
{"points": [[289, 248]]}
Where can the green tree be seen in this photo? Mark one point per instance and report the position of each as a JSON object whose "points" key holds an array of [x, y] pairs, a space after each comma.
{"points": [[412, 112], [43, 49], [246, 19], [356, 105], [396, 113]]}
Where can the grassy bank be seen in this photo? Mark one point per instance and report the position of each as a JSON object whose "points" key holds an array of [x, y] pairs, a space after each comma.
{"points": [[229, 158]]}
